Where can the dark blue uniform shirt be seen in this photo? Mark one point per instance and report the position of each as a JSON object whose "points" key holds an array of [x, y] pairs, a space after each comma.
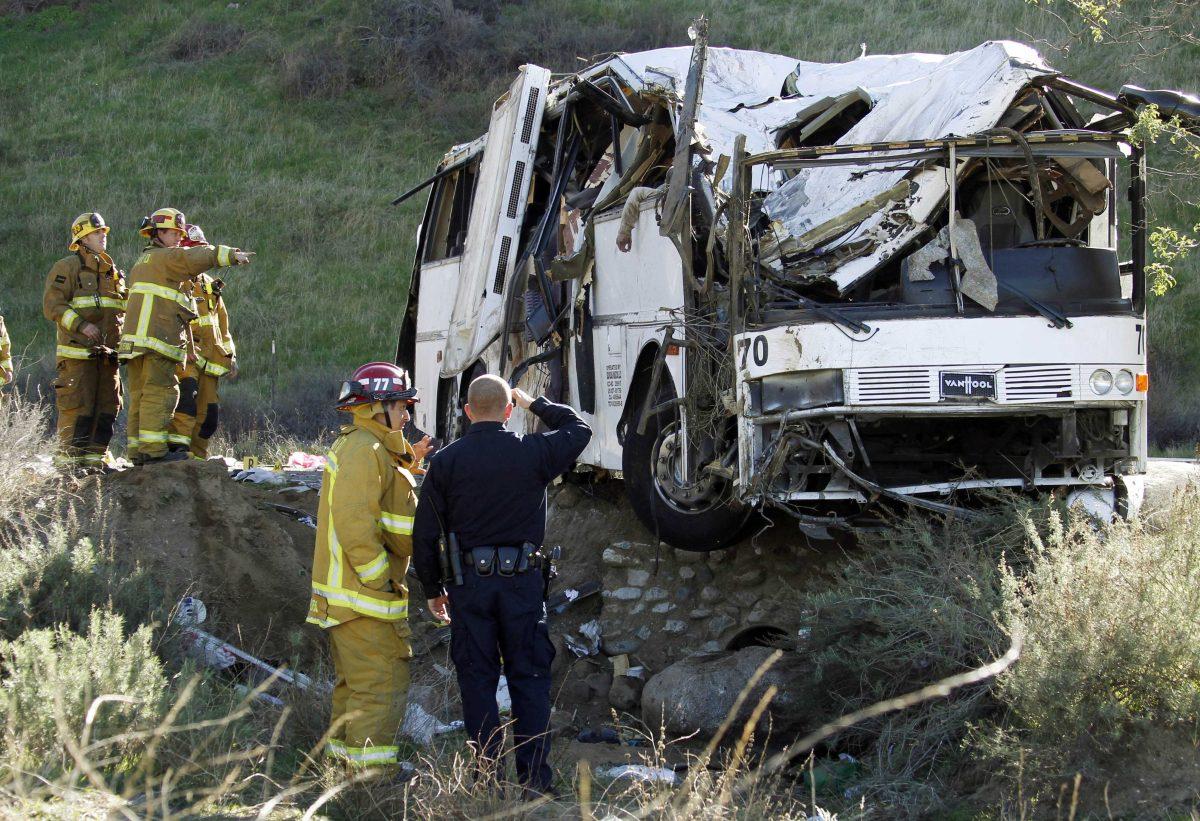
{"points": [[490, 486]]}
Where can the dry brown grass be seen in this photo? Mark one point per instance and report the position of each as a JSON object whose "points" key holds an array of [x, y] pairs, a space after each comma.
{"points": [[25, 445]]}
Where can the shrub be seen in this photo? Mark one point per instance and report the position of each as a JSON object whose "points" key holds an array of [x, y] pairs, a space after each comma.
{"points": [[1113, 641], [309, 73], [914, 604], [206, 39], [49, 577], [53, 678]]}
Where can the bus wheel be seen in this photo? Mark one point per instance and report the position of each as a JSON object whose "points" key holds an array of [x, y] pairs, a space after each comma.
{"points": [[699, 516]]}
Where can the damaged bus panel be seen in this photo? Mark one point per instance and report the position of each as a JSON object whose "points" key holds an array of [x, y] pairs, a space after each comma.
{"points": [[818, 288]]}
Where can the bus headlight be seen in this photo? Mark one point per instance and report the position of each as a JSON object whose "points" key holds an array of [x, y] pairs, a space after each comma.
{"points": [[1101, 381], [798, 390], [1123, 382]]}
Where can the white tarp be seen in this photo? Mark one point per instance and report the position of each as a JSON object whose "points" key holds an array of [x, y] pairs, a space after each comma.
{"points": [[915, 96], [733, 78]]}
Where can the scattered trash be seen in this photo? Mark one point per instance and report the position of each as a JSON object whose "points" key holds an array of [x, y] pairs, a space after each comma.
{"points": [[260, 476], [224, 657], [605, 735], [640, 772], [421, 727], [609, 735], [190, 612], [297, 514], [305, 461], [291, 477], [589, 642], [559, 602], [503, 698]]}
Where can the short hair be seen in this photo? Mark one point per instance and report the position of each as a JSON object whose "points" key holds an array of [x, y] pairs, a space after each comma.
{"points": [[489, 395]]}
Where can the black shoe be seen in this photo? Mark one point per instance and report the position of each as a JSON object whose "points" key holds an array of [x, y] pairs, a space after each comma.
{"points": [[171, 456]]}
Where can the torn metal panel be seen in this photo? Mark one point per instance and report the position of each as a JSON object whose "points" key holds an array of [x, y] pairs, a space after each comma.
{"points": [[494, 231], [978, 281], [679, 181], [773, 248], [916, 96]]}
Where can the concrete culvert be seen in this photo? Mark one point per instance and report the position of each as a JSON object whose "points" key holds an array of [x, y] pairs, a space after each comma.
{"points": [[760, 635]]}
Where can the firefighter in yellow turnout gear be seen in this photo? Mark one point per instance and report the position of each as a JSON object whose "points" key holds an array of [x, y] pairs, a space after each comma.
{"points": [[6, 362], [363, 549], [196, 416], [157, 335], [85, 299]]}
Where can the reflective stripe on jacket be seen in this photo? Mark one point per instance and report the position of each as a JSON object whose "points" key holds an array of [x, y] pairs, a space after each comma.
{"points": [[364, 527], [160, 298], [210, 329], [85, 287]]}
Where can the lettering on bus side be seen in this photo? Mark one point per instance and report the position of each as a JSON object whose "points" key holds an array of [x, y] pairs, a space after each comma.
{"points": [[614, 383]]}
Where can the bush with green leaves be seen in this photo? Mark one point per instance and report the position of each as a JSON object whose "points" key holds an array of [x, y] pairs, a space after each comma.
{"points": [[64, 690], [49, 577], [914, 604], [1112, 640]]}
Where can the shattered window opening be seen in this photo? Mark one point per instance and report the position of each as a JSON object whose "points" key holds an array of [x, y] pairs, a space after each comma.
{"points": [[446, 232]]}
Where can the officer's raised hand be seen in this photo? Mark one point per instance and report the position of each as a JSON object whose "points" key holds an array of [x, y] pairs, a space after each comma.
{"points": [[521, 399]]}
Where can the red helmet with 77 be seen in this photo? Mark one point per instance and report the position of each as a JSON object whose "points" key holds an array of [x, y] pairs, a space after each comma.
{"points": [[377, 382]]}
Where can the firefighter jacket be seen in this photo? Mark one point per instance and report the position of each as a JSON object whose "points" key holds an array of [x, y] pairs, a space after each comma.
{"points": [[85, 287], [6, 363], [210, 329], [364, 526], [160, 298]]}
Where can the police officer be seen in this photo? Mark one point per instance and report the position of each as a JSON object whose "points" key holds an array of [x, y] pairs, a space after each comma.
{"points": [[488, 489]]}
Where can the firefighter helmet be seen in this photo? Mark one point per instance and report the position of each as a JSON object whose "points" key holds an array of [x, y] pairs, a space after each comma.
{"points": [[376, 382], [163, 218], [85, 224], [193, 236]]}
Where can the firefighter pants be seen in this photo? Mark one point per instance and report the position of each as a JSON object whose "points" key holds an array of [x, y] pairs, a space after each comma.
{"points": [[196, 416], [504, 617], [153, 395], [87, 394], [370, 659]]}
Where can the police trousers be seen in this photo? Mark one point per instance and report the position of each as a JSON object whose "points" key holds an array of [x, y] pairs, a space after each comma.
{"points": [[196, 416], [153, 395], [87, 395], [370, 658], [499, 622]]}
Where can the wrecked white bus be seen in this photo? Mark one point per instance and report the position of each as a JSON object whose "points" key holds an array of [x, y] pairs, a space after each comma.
{"points": [[894, 280]]}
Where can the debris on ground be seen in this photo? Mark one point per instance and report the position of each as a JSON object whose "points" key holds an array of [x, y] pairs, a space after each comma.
{"points": [[587, 643], [252, 673], [640, 772]]}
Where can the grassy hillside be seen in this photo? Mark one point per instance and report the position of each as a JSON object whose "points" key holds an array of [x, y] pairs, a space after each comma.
{"points": [[286, 127]]}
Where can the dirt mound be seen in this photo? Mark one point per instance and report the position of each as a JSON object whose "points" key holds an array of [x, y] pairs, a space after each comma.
{"points": [[197, 532]]}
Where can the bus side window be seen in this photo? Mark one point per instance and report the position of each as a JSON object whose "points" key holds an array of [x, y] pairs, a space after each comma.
{"points": [[446, 232]]}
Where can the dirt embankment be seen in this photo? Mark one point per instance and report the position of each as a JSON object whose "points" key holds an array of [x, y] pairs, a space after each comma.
{"points": [[197, 532]]}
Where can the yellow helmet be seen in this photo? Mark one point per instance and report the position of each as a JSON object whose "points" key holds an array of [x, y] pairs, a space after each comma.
{"points": [[85, 224], [164, 218]]}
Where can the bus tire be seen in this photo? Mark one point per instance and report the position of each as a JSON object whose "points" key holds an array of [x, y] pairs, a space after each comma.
{"points": [[700, 530]]}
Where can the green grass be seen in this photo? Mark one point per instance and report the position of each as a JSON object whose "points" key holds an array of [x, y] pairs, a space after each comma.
{"points": [[101, 112]]}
